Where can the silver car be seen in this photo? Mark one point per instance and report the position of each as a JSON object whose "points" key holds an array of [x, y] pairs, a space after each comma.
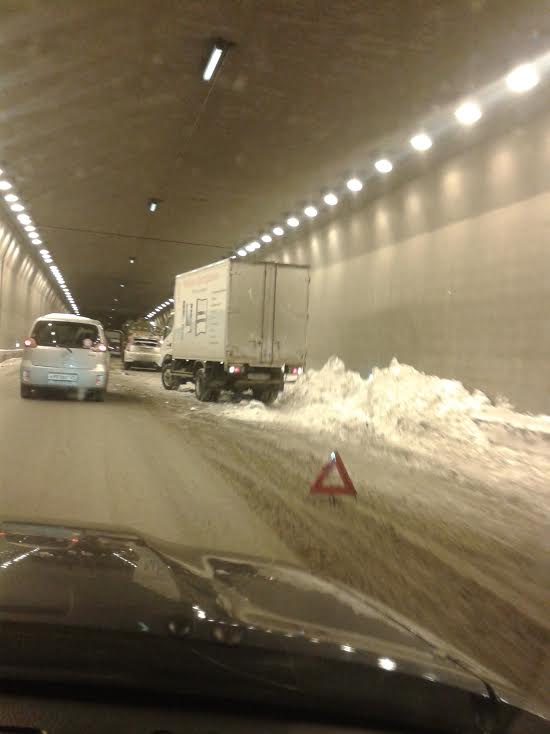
{"points": [[65, 352], [142, 351]]}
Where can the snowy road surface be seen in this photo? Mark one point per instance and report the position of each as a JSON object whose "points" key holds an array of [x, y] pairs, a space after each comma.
{"points": [[457, 541]]}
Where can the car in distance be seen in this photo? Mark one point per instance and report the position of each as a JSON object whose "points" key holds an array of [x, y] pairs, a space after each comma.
{"points": [[65, 352], [142, 350], [115, 340]]}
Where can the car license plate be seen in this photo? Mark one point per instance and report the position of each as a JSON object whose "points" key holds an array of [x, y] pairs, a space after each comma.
{"points": [[61, 377], [259, 376]]}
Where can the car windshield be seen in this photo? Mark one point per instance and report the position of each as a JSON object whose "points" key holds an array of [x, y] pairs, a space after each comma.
{"points": [[275, 307], [64, 333]]}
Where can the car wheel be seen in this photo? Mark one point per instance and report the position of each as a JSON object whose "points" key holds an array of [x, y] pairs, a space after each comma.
{"points": [[126, 365], [203, 391], [168, 380], [265, 396], [26, 391]]}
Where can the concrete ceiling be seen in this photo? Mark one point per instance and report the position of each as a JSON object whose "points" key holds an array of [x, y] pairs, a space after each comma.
{"points": [[102, 106]]}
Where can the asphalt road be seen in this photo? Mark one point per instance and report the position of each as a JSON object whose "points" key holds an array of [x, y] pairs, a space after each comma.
{"points": [[118, 463]]}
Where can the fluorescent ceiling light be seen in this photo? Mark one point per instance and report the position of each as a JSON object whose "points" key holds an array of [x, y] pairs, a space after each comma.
{"points": [[5, 185], [213, 61], [242, 252], [17, 207], [354, 184], [523, 78], [383, 165], [36, 241], [421, 141], [310, 211], [330, 199], [279, 231], [266, 238], [44, 252], [11, 197], [252, 246], [30, 228], [468, 113], [293, 222], [24, 218], [153, 205]]}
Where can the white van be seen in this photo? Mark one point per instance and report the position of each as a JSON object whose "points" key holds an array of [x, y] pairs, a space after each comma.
{"points": [[65, 352]]}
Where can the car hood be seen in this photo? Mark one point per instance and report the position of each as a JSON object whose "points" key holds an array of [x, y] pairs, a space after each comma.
{"points": [[117, 580]]}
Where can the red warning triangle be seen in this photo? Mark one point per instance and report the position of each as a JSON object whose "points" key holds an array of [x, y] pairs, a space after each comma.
{"points": [[319, 487]]}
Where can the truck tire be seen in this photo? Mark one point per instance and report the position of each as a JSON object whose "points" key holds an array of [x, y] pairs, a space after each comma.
{"points": [[203, 391], [126, 365], [169, 382], [99, 396], [26, 391], [265, 396]]}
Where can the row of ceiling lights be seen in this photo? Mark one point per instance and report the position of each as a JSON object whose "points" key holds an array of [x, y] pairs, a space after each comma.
{"points": [[521, 79], [14, 203], [153, 313]]}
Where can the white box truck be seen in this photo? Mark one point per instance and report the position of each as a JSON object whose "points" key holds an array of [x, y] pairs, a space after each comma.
{"points": [[237, 326]]}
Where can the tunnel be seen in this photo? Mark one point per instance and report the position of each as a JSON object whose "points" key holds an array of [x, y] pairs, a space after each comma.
{"points": [[286, 241]]}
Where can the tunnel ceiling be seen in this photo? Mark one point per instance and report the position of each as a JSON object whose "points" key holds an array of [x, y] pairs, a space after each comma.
{"points": [[103, 106]]}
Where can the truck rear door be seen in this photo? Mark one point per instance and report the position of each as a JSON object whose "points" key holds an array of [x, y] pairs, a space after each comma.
{"points": [[246, 313], [290, 314]]}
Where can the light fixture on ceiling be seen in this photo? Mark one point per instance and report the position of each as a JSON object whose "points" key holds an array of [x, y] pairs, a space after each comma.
{"points": [[468, 113], [122, 285], [252, 246], [310, 211], [421, 142], [11, 198], [17, 207], [266, 238], [131, 260], [383, 165], [354, 184], [24, 218], [330, 199], [293, 222], [242, 252], [153, 205], [36, 241], [213, 60], [29, 228], [522, 78], [5, 185], [278, 231]]}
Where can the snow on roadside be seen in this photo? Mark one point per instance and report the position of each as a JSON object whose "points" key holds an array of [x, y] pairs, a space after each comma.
{"points": [[404, 408], [10, 362]]}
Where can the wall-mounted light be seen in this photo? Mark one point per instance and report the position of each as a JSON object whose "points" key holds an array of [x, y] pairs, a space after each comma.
{"points": [[421, 142]]}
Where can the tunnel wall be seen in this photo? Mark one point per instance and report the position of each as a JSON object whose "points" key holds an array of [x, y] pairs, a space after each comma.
{"points": [[25, 291], [449, 272]]}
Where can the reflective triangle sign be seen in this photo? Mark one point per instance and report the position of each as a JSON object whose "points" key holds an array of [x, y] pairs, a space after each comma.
{"points": [[319, 486]]}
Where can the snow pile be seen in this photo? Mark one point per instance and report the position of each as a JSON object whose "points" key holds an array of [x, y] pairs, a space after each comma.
{"points": [[397, 403]]}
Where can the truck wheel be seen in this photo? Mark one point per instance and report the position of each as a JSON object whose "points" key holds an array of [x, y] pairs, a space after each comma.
{"points": [[203, 391], [100, 396], [26, 391], [266, 396], [126, 365], [169, 382]]}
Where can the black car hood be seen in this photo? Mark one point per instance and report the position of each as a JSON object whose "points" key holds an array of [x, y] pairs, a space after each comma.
{"points": [[121, 582]]}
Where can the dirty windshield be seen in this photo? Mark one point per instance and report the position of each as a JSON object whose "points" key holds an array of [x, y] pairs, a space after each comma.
{"points": [[316, 237]]}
